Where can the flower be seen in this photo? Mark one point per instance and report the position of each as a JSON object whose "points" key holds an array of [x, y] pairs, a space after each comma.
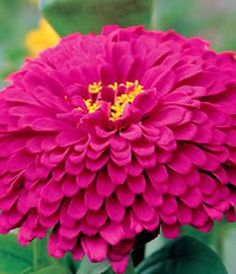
{"points": [[41, 38], [107, 136]]}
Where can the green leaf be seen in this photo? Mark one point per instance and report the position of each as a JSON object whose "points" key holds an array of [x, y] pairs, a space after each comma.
{"points": [[104, 267], [92, 268], [183, 256], [13, 257], [68, 16], [53, 269], [41, 259], [27, 270]]}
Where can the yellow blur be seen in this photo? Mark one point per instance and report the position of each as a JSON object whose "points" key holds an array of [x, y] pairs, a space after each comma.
{"points": [[41, 38]]}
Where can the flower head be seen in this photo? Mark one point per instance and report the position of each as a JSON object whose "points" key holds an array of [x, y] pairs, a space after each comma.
{"points": [[41, 38], [107, 136]]}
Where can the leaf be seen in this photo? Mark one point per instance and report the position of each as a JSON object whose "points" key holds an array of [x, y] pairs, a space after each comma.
{"points": [[27, 270], [53, 269], [68, 16], [13, 257], [92, 268], [183, 256], [41, 259]]}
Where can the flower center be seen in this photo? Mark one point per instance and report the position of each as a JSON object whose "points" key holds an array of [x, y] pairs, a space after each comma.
{"points": [[123, 95]]}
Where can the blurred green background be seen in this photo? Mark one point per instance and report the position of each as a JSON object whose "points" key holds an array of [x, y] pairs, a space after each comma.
{"points": [[215, 20]]}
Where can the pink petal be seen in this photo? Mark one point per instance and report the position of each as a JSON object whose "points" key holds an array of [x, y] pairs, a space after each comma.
{"points": [[52, 191], [120, 266], [72, 168], [53, 246], [170, 232], [47, 124], [231, 138], [158, 174], [95, 248], [57, 155], [69, 233], [96, 218], [92, 199], [199, 217], [77, 157], [87, 229], [47, 209], [116, 173], [177, 184], [214, 214], [184, 214], [69, 187], [207, 184], [134, 168], [206, 227], [118, 143], [169, 205], [115, 209], [147, 162], [168, 219], [104, 184], [152, 197], [19, 161], [193, 178], [143, 148], [113, 233], [137, 184], [85, 178], [132, 133], [97, 164], [143, 211], [125, 196], [173, 115], [179, 163], [195, 154], [77, 207], [68, 138], [99, 144], [192, 198], [77, 252], [185, 132]]}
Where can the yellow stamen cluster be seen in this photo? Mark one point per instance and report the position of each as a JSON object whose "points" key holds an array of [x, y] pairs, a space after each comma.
{"points": [[117, 109], [91, 107], [95, 87], [121, 101]]}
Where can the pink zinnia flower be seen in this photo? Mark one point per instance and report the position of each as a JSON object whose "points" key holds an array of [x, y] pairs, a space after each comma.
{"points": [[106, 136]]}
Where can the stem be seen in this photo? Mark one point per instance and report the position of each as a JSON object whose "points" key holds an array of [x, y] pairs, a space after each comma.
{"points": [[220, 242], [154, 15], [38, 250]]}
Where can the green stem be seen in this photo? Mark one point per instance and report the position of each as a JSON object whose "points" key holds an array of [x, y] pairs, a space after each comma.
{"points": [[38, 250], [154, 15], [220, 242]]}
